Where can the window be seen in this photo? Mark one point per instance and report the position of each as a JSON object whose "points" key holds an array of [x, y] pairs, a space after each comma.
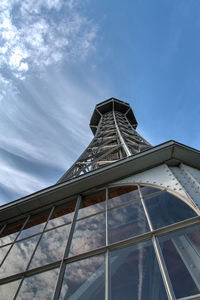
{"points": [[121, 242]]}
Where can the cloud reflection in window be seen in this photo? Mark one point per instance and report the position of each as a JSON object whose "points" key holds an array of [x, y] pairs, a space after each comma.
{"points": [[89, 234], [51, 246], [40, 286], [18, 257], [85, 279]]}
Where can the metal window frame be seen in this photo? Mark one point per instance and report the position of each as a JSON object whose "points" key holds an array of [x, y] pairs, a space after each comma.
{"points": [[130, 241], [151, 235], [61, 274], [14, 241], [36, 246]]}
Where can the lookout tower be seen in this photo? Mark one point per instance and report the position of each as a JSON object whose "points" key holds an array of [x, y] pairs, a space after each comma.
{"points": [[115, 137], [122, 223]]}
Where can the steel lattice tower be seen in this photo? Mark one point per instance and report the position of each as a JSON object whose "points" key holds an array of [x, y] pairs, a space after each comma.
{"points": [[113, 124], [129, 229]]}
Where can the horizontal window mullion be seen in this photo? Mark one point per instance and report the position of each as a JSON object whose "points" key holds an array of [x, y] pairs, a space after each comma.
{"points": [[30, 272], [124, 203], [133, 240], [19, 232], [14, 241], [193, 297], [143, 237], [92, 215]]}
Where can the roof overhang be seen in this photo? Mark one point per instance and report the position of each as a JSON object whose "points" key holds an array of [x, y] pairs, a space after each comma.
{"points": [[169, 152]]}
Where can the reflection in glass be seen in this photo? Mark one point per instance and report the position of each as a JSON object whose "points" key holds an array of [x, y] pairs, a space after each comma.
{"points": [[34, 225], [61, 215], [195, 239], [8, 290], [146, 190], [40, 286], [135, 274], [121, 195], [2, 228], [10, 232], [182, 259], [126, 221], [18, 257], [3, 251], [92, 204], [51, 246], [84, 279], [89, 234], [165, 209], [8, 239]]}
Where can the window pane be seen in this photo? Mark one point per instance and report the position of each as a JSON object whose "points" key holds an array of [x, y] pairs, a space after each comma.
{"points": [[122, 194], [165, 209], [135, 274], [146, 190], [195, 239], [182, 259], [84, 279], [8, 239], [51, 246], [3, 251], [8, 290], [126, 221], [1, 228], [92, 204], [34, 225], [10, 232], [18, 257], [40, 286], [61, 215], [89, 234]]}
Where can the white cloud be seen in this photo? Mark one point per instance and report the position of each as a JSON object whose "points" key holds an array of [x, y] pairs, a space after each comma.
{"points": [[46, 128], [18, 180], [46, 119], [6, 87], [35, 34]]}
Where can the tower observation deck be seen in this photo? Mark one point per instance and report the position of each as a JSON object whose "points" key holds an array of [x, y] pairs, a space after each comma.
{"points": [[115, 137]]}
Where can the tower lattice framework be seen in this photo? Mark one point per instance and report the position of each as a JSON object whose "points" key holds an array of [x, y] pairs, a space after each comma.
{"points": [[115, 137]]}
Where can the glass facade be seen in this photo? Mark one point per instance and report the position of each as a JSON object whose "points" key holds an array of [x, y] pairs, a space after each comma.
{"points": [[135, 273], [123, 242], [85, 279]]}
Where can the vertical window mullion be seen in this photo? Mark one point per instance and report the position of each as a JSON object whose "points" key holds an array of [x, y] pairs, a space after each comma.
{"points": [[107, 276], [106, 216], [107, 253], [25, 222], [41, 234], [145, 209], [163, 269], [159, 255], [66, 252], [12, 244]]}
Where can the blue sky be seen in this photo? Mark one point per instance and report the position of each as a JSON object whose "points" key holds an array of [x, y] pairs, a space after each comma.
{"points": [[59, 58]]}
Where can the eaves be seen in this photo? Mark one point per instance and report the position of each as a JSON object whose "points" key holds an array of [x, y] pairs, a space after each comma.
{"points": [[170, 152]]}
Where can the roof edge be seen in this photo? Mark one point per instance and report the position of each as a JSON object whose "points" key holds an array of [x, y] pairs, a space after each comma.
{"points": [[167, 152]]}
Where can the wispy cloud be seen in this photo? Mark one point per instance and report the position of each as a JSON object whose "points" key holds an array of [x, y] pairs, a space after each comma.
{"points": [[41, 114], [19, 181], [44, 129], [35, 34]]}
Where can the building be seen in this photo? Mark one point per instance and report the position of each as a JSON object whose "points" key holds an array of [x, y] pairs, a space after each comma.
{"points": [[122, 223]]}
